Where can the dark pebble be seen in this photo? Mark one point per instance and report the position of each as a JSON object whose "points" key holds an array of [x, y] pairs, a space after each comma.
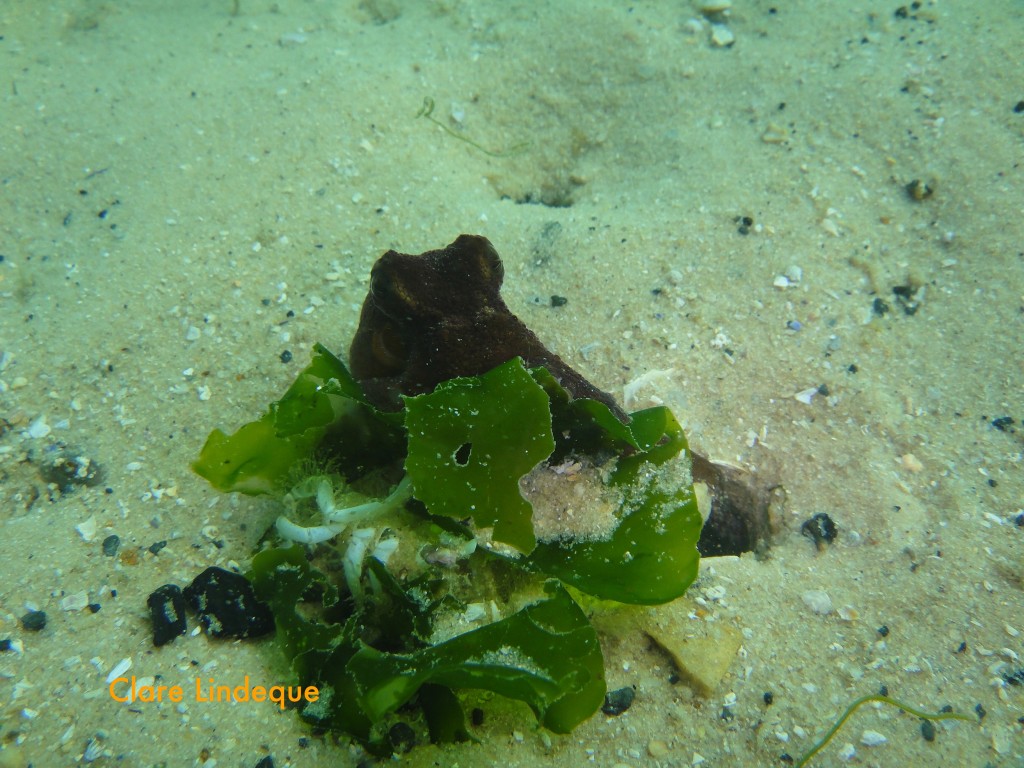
{"points": [[157, 546], [265, 762], [167, 610], [1018, 107], [821, 528], [402, 737], [769, 698], [883, 630], [227, 606], [879, 307], [1015, 678], [94, 607], [928, 730], [1003, 423], [477, 716], [980, 712], [111, 544], [5, 644], [34, 621], [559, 301], [286, 356], [618, 701]]}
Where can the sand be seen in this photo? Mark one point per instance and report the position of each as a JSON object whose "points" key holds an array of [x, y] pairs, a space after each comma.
{"points": [[190, 190]]}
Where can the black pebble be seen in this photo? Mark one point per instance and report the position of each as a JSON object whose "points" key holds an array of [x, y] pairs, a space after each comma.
{"points": [[111, 544], [1018, 107], [879, 307], [559, 301], [928, 730], [227, 606], [167, 610], [265, 762], [769, 698], [476, 717], [821, 528], [1003, 423], [883, 630], [5, 644], [618, 701], [286, 356], [156, 547], [34, 621], [1014, 678]]}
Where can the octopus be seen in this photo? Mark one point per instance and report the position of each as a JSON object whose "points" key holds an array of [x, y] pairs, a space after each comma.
{"points": [[440, 315]]}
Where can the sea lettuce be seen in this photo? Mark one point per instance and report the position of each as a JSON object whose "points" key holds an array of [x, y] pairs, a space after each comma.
{"points": [[471, 439], [323, 402], [373, 642]]}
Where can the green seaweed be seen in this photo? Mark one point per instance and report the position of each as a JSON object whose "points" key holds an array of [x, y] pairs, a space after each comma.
{"points": [[471, 439], [824, 741], [324, 400], [374, 643]]}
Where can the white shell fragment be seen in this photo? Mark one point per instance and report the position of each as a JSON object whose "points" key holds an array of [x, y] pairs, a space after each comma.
{"points": [[87, 529], [119, 669], [38, 428], [806, 396], [872, 739], [75, 602], [818, 601]]}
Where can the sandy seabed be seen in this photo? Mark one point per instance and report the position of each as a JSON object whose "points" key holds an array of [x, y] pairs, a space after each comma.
{"points": [[809, 241]]}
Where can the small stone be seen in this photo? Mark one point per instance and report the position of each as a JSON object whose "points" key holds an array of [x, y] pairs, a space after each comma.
{"points": [[111, 545], [167, 610], [657, 749], [911, 463], [618, 701], [34, 621], [193, 333], [722, 36], [227, 605], [928, 730], [818, 601]]}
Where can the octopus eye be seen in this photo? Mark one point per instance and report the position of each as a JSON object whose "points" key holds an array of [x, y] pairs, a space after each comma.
{"points": [[389, 350]]}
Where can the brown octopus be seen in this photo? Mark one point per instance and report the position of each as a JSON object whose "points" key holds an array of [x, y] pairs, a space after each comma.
{"points": [[439, 315]]}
